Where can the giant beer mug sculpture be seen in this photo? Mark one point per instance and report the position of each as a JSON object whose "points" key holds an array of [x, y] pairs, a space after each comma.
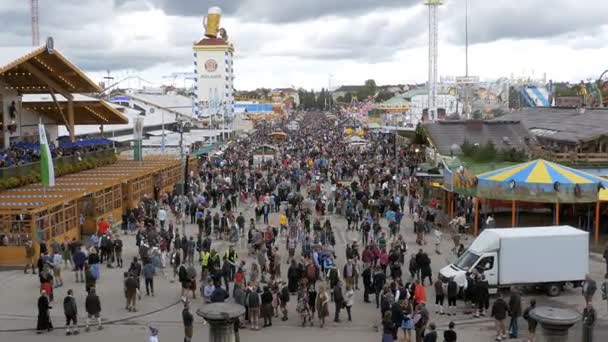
{"points": [[212, 22]]}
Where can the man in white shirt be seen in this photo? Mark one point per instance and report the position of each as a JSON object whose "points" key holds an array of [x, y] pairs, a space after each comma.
{"points": [[162, 216]]}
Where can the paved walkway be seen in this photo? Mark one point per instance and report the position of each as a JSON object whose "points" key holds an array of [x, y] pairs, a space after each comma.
{"points": [[20, 292]]}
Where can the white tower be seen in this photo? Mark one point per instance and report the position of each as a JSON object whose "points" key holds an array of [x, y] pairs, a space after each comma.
{"points": [[433, 54], [214, 69]]}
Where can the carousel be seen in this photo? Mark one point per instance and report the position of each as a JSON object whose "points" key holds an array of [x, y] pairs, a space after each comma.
{"points": [[540, 182]]}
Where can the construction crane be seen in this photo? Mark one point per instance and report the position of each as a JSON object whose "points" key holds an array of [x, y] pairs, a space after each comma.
{"points": [[433, 54], [35, 25]]}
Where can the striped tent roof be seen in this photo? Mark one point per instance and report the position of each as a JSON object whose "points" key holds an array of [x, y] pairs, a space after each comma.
{"points": [[542, 172]]}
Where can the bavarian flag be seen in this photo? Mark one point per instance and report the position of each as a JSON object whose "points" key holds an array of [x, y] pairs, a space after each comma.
{"points": [[47, 172]]}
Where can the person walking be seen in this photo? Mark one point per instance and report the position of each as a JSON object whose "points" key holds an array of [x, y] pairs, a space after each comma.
{"points": [[439, 296], [79, 258], [117, 246], [589, 317], [70, 310], [153, 333], [131, 291], [322, 304], [338, 300], [378, 284], [267, 309], [89, 278], [44, 313], [452, 290], [388, 329], [349, 300], [253, 304], [589, 288], [450, 334], [30, 255], [499, 313], [57, 264], [482, 297], [93, 307], [431, 335], [514, 312], [149, 271], [188, 321], [531, 321], [367, 283]]}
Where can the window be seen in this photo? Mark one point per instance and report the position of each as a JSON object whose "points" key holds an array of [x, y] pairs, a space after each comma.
{"points": [[485, 264], [14, 229], [467, 260]]}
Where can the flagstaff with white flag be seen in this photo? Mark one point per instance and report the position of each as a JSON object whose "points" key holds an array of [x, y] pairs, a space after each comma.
{"points": [[47, 171]]}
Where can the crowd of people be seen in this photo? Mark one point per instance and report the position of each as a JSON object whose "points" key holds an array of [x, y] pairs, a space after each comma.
{"points": [[238, 252]]}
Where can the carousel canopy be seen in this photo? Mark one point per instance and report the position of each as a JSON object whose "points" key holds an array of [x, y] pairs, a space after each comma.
{"points": [[540, 181], [543, 172]]}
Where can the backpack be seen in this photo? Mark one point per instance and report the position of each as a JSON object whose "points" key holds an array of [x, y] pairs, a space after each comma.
{"points": [[384, 304], [311, 271], [285, 295]]}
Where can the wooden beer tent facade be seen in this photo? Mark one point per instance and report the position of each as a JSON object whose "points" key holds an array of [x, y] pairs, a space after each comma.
{"points": [[56, 213]]}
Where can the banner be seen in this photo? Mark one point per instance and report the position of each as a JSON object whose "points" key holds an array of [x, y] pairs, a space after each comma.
{"points": [[47, 171], [138, 135]]}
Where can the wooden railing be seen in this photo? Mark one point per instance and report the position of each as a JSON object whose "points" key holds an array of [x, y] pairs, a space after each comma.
{"points": [[573, 157]]}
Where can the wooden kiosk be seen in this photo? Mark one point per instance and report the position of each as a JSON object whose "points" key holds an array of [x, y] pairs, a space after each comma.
{"points": [[55, 213]]}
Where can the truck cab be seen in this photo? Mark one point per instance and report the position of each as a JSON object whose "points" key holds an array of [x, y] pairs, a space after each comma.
{"points": [[486, 263]]}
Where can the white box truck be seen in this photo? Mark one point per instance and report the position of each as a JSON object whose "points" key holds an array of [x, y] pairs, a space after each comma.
{"points": [[545, 257]]}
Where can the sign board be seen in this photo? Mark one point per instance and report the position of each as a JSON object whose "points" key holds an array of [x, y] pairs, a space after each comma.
{"points": [[467, 79]]}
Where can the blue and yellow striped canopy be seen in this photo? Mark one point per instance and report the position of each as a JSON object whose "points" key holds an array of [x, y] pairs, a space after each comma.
{"points": [[542, 172]]}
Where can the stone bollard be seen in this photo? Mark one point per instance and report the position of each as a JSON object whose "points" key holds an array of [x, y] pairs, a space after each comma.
{"points": [[555, 322], [221, 318]]}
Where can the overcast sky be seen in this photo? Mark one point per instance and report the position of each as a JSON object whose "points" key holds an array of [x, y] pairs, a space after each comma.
{"points": [[301, 43]]}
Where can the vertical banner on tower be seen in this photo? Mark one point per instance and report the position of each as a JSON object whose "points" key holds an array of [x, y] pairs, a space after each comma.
{"points": [[138, 134]]}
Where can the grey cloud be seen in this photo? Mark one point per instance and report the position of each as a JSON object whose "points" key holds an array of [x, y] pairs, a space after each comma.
{"points": [[531, 19], [282, 11]]}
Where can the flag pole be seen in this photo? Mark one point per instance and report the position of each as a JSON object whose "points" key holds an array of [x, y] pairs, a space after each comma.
{"points": [[40, 147]]}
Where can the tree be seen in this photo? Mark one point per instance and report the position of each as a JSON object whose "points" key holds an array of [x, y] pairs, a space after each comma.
{"points": [[348, 97], [477, 115], [384, 96], [371, 85], [420, 135]]}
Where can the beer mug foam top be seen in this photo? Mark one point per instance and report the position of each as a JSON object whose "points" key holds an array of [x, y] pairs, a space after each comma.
{"points": [[212, 22]]}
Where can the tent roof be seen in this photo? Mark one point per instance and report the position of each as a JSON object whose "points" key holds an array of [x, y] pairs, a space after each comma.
{"points": [[16, 64], [206, 149], [542, 172], [394, 102], [87, 110], [73, 186]]}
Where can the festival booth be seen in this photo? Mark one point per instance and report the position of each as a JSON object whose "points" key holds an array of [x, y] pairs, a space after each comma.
{"points": [[56, 213], [264, 153], [535, 183], [278, 136]]}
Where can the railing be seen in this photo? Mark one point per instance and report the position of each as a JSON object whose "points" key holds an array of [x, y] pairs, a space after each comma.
{"points": [[574, 157], [27, 169]]}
